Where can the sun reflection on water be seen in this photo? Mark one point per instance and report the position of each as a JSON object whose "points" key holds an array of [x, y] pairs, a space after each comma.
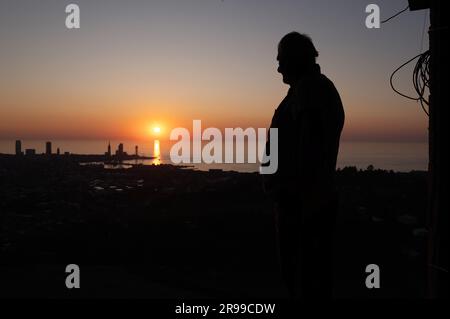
{"points": [[156, 153]]}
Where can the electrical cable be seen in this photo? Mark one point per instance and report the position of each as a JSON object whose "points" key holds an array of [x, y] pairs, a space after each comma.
{"points": [[398, 13], [396, 70], [421, 78]]}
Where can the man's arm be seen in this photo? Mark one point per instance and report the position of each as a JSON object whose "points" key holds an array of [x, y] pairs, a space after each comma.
{"points": [[310, 154]]}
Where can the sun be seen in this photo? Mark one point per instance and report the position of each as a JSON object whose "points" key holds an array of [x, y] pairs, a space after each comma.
{"points": [[155, 129]]}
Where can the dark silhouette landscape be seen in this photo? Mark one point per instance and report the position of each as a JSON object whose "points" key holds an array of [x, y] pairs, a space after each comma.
{"points": [[173, 232]]}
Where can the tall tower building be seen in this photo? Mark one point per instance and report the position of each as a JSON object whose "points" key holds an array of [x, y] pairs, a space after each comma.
{"points": [[136, 150], [109, 149], [119, 151], [48, 148], [18, 147]]}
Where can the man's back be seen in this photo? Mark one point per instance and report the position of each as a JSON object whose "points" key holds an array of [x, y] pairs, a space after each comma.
{"points": [[309, 121]]}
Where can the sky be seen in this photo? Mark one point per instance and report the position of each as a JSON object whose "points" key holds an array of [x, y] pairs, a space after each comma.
{"points": [[136, 64]]}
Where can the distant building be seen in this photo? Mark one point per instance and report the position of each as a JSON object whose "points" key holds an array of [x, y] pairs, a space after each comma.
{"points": [[119, 151], [30, 152], [57, 151], [108, 153], [19, 147], [136, 150], [48, 148]]}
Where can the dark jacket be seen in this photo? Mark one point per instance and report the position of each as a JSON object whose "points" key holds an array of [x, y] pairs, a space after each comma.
{"points": [[309, 121]]}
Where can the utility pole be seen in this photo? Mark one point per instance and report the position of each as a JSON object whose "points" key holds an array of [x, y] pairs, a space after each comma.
{"points": [[439, 161], [438, 140]]}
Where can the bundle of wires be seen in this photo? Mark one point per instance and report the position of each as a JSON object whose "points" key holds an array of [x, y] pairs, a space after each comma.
{"points": [[421, 79]]}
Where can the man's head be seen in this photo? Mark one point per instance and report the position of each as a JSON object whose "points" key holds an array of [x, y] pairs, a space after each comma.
{"points": [[296, 56]]}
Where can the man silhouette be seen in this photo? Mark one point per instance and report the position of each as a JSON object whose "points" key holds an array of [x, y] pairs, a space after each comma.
{"points": [[309, 122]]}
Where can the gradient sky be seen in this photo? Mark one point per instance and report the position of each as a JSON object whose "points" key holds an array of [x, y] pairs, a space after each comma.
{"points": [[138, 63]]}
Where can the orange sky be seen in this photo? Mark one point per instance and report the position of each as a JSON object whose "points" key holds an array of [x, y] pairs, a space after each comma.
{"points": [[131, 67]]}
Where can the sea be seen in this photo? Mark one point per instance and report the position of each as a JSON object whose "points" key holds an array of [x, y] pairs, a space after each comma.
{"points": [[399, 157]]}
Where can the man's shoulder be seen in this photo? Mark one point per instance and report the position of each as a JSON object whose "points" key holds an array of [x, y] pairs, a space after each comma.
{"points": [[321, 83], [312, 89], [315, 97], [322, 89]]}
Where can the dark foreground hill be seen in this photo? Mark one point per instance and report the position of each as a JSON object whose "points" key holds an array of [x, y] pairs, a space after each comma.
{"points": [[163, 231]]}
